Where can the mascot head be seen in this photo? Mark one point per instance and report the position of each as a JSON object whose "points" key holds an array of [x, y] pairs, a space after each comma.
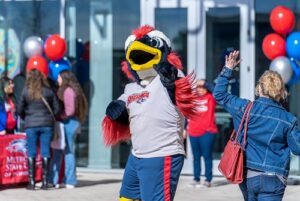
{"points": [[145, 49]]}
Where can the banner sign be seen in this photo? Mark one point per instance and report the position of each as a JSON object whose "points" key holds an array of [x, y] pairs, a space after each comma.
{"points": [[13, 160]]}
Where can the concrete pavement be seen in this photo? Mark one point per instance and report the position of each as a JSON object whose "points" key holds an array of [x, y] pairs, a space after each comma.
{"points": [[104, 186]]}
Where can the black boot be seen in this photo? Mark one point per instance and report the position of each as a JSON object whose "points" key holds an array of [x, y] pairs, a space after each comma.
{"points": [[45, 173], [31, 173]]}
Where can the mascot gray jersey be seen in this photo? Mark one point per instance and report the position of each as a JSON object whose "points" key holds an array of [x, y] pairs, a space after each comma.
{"points": [[155, 122]]}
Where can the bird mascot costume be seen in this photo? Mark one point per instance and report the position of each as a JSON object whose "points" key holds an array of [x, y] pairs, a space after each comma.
{"points": [[151, 113]]}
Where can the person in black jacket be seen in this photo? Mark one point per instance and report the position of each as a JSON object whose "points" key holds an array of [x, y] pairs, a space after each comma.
{"points": [[39, 121]]}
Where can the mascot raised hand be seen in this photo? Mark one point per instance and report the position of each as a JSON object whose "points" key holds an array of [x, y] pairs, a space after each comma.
{"points": [[151, 113]]}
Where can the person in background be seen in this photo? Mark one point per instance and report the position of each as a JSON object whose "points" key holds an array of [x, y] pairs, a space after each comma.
{"points": [[273, 133], [8, 118], [202, 130], [38, 121], [2, 118], [73, 115]]}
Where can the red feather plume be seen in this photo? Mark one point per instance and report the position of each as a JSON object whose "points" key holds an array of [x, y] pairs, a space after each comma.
{"points": [[114, 132], [186, 95], [142, 31], [175, 60]]}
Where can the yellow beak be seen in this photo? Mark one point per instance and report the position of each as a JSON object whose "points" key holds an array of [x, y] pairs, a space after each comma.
{"points": [[142, 57]]}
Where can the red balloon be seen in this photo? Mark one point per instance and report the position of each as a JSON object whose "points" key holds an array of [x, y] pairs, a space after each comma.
{"points": [[273, 46], [282, 20], [39, 63], [55, 47]]}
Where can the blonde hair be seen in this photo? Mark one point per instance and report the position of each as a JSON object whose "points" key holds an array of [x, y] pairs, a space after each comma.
{"points": [[270, 84]]}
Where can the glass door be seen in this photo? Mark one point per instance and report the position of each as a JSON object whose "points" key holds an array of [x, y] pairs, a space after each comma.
{"points": [[228, 27], [222, 36]]}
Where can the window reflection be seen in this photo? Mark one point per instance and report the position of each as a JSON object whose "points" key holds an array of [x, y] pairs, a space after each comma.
{"points": [[18, 21], [222, 36], [77, 29], [263, 27], [21, 19], [126, 17], [173, 23]]}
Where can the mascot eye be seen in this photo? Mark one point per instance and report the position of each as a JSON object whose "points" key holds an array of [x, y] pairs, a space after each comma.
{"points": [[156, 42]]}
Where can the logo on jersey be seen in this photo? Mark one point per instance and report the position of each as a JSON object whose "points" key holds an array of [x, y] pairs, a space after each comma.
{"points": [[202, 106], [138, 97]]}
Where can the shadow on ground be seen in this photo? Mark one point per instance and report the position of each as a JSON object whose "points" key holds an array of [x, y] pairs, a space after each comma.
{"points": [[12, 186], [86, 183], [219, 183], [81, 184]]}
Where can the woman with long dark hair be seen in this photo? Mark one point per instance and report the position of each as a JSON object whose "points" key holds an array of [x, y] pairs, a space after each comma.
{"points": [[38, 121], [8, 118], [74, 113]]}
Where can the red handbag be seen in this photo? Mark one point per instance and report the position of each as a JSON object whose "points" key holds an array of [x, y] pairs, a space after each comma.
{"points": [[232, 161]]}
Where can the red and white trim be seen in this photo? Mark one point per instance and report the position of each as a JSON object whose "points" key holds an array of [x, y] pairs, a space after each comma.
{"points": [[167, 178]]}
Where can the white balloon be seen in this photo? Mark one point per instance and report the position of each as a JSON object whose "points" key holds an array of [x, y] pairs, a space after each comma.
{"points": [[33, 46], [282, 65]]}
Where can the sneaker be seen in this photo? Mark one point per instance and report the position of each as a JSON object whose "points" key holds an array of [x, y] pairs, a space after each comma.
{"points": [[207, 184], [195, 184], [69, 186], [57, 186]]}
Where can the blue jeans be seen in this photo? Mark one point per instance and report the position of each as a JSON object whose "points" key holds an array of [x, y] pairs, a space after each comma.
{"points": [[44, 134], [71, 126], [203, 146], [263, 188]]}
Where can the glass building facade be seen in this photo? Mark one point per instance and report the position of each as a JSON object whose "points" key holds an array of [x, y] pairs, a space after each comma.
{"points": [[201, 31]]}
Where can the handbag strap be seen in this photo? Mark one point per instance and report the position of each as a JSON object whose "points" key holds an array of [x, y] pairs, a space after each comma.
{"points": [[242, 123], [246, 124], [49, 108]]}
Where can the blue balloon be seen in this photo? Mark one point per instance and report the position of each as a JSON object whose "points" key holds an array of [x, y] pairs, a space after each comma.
{"points": [[57, 67], [296, 72], [292, 45]]}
